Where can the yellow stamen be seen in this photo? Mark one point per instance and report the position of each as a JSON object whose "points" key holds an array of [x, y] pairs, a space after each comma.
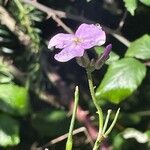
{"points": [[77, 40]]}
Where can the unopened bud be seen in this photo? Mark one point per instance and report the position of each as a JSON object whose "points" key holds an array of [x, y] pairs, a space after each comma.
{"points": [[100, 62]]}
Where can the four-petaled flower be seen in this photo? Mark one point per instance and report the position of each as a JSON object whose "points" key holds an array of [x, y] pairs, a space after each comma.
{"points": [[74, 45]]}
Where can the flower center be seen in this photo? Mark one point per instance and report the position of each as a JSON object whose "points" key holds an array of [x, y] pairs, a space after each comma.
{"points": [[77, 40]]}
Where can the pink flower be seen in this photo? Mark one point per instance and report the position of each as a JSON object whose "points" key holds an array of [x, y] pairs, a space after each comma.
{"points": [[74, 45]]}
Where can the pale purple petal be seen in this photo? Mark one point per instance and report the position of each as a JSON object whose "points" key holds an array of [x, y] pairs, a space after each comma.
{"points": [[69, 52], [61, 40], [90, 35]]}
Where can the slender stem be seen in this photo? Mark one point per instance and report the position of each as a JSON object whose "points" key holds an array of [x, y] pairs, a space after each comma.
{"points": [[70, 139], [99, 110], [113, 123], [106, 121], [18, 3]]}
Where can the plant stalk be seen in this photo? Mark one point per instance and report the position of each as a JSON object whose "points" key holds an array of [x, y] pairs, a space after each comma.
{"points": [[99, 110], [70, 139]]}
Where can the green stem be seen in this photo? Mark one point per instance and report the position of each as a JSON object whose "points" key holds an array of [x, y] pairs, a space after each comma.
{"points": [[19, 5], [106, 121], [70, 139], [112, 124], [99, 110]]}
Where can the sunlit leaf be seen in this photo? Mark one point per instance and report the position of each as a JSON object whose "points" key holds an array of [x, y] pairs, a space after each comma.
{"points": [[9, 131], [131, 5], [121, 80], [5, 78], [140, 48], [5, 75], [14, 99], [146, 2]]}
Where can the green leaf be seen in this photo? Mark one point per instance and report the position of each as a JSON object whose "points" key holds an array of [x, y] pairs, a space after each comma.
{"points": [[50, 123], [118, 142], [146, 2], [113, 56], [14, 99], [121, 80], [9, 131], [148, 133], [5, 75], [131, 5], [140, 48]]}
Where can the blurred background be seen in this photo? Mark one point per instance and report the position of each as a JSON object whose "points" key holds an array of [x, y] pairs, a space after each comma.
{"points": [[36, 91]]}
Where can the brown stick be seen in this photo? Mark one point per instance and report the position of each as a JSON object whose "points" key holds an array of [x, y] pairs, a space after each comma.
{"points": [[51, 13]]}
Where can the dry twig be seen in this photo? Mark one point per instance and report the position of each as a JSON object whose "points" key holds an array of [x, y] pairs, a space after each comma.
{"points": [[51, 13]]}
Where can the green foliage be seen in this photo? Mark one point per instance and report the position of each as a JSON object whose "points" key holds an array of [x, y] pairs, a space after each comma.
{"points": [[118, 142], [9, 131], [140, 48], [128, 138], [50, 123], [113, 56], [14, 99], [146, 2], [7, 40], [131, 6], [26, 16], [121, 80], [5, 75], [23, 62]]}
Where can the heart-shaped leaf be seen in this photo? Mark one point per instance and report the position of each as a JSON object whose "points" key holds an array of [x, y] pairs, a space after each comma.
{"points": [[121, 80], [9, 131], [140, 48]]}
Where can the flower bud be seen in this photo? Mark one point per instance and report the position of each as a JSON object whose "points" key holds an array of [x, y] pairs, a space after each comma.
{"points": [[99, 63]]}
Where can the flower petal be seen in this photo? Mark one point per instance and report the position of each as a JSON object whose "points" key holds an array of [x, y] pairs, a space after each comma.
{"points": [[90, 35], [61, 40], [69, 52]]}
